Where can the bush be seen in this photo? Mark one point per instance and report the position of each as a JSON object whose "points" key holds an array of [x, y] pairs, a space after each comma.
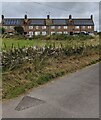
{"points": [[2, 30], [39, 55], [19, 29]]}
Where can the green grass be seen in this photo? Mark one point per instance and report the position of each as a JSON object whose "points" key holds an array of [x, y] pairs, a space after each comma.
{"points": [[8, 42], [25, 76], [21, 43]]}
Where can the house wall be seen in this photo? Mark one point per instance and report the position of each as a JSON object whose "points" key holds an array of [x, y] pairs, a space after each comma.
{"points": [[48, 30]]}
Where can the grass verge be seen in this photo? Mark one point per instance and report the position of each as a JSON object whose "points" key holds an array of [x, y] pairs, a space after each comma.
{"points": [[21, 80]]}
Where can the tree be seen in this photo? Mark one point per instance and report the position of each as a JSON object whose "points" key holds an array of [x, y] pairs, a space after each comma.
{"points": [[2, 30], [19, 29]]}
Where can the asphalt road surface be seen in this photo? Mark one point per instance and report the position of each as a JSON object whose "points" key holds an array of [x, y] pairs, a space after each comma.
{"points": [[75, 95]]}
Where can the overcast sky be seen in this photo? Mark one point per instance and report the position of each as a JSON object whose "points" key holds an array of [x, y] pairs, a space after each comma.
{"points": [[56, 9]]}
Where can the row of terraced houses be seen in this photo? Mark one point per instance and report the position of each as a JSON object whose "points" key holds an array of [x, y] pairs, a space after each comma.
{"points": [[39, 26]]}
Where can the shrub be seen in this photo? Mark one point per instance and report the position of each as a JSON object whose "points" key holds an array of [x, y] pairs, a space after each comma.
{"points": [[19, 29], [39, 55]]}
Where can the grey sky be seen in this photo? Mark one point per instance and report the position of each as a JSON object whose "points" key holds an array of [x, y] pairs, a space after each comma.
{"points": [[56, 9]]}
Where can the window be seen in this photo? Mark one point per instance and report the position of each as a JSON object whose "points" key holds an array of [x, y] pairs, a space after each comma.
{"points": [[44, 33], [59, 27], [89, 27], [11, 33], [30, 27], [65, 32], [65, 27], [30, 33], [37, 33], [83, 27], [59, 32], [77, 27], [52, 27], [52, 33], [11, 27], [5, 27], [43, 27], [37, 27]]}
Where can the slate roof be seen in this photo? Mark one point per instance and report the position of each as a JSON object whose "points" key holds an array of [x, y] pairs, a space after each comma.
{"points": [[12, 22], [83, 22], [41, 22], [60, 22], [37, 22]]}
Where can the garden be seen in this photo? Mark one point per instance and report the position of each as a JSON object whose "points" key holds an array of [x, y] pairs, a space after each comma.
{"points": [[32, 62]]}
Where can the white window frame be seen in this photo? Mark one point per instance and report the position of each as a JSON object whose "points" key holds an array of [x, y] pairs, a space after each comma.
{"points": [[59, 32], [37, 32], [43, 27], [5, 27], [65, 27], [37, 27], [77, 27], [83, 27], [52, 32], [59, 27], [52, 27], [44, 32], [30, 27], [31, 33], [65, 32], [11, 27], [89, 27]]}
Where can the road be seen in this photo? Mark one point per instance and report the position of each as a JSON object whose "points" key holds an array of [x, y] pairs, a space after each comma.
{"points": [[75, 95]]}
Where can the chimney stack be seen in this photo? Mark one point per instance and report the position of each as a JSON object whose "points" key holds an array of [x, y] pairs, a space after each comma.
{"points": [[91, 17], [25, 16], [48, 17], [2, 16], [70, 16]]}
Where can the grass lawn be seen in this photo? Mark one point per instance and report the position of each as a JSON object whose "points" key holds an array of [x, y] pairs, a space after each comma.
{"points": [[21, 43]]}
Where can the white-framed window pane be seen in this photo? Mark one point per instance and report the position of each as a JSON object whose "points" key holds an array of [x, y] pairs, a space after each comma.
{"points": [[37, 33], [52, 33], [11, 27], [52, 27], [44, 33], [89, 27], [30, 33], [65, 27], [59, 32], [43, 27], [77, 27], [65, 32], [37, 27], [30, 27], [83, 27], [59, 27], [5, 27]]}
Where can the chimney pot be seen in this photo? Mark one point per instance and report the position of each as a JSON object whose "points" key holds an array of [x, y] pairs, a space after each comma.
{"points": [[91, 17], [70, 16], [48, 17], [2, 17], [25, 16]]}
